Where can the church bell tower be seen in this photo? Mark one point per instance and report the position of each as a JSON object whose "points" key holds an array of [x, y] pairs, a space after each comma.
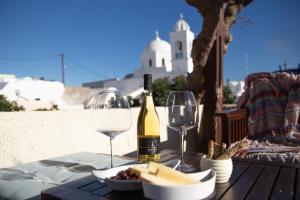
{"points": [[181, 46]]}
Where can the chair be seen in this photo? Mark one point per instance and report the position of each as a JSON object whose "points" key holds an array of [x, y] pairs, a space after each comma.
{"points": [[268, 110], [233, 125]]}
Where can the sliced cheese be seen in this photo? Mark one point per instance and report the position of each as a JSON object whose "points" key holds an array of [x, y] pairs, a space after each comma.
{"points": [[137, 170], [156, 173], [174, 176], [152, 167]]}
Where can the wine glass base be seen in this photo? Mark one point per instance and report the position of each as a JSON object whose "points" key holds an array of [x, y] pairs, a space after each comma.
{"points": [[185, 168]]}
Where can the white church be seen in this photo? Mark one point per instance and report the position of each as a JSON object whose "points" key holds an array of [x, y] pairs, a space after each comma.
{"points": [[160, 58]]}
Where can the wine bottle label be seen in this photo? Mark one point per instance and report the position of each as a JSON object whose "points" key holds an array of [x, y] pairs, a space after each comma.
{"points": [[149, 146]]}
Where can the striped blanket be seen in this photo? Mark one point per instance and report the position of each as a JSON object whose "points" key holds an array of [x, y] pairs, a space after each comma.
{"points": [[273, 104]]}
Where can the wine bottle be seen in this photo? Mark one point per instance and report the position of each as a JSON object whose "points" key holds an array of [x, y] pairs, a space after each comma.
{"points": [[148, 133]]}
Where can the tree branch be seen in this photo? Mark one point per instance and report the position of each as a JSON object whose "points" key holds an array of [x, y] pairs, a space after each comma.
{"points": [[232, 10], [203, 43]]}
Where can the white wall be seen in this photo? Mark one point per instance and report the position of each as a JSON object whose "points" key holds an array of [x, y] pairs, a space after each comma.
{"points": [[31, 135]]}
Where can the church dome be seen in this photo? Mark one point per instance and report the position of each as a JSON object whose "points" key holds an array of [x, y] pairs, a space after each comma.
{"points": [[157, 54], [158, 45], [181, 25]]}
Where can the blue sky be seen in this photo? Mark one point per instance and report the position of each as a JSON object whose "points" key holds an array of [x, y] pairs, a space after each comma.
{"points": [[103, 39]]}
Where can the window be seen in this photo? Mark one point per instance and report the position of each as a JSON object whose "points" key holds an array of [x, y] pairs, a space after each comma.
{"points": [[150, 63], [179, 45], [179, 55], [178, 51], [163, 62]]}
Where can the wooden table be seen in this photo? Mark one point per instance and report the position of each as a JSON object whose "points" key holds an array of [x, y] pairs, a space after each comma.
{"points": [[251, 179]]}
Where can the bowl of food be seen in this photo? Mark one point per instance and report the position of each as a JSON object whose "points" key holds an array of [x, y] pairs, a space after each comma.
{"points": [[120, 178], [123, 178], [219, 159]]}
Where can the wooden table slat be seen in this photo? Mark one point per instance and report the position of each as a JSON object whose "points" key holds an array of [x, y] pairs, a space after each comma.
{"points": [[102, 191], [238, 170], [284, 186], [264, 183], [168, 151], [93, 186], [65, 193], [277, 163], [297, 185], [81, 182], [241, 187], [139, 195], [168, 155]]}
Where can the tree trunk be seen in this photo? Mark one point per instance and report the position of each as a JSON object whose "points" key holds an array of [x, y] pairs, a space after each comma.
{"points": [[206, 80], [213, 84]]}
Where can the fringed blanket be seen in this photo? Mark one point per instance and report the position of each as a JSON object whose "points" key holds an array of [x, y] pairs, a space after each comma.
{"points": [[273, 104], [270, 152]]}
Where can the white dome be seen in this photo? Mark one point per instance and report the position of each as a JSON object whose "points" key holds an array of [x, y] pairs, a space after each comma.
{"points": [[181, 25], [156, 54], [158, 45]]}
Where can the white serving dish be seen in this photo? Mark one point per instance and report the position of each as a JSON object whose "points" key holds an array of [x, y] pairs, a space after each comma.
{"points": [[201, 190], [223, 168], [125, 185]]}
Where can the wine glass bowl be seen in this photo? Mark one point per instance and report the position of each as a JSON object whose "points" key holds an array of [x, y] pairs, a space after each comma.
{"points": [[113, 112], [182, 112]]}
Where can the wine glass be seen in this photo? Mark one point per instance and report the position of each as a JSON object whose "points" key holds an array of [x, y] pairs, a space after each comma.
{"points": [[114, 113], [182, 112]]}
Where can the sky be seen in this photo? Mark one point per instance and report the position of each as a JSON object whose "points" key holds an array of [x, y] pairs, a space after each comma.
{"points": [[104, 39]]}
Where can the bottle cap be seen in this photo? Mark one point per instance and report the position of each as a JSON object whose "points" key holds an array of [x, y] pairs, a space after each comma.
{"points": [[147, 81]]}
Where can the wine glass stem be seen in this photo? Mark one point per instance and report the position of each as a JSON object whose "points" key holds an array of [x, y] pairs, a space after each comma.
{"points": [[111, 158], [183, 131]]}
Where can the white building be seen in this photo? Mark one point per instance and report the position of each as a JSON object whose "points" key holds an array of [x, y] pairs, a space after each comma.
{"points": [[159, 58], [237, 87], [32, 93]]}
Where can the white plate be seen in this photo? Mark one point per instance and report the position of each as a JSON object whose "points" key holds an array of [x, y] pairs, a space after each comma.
{"points": [[125, 185], [201, 190]]}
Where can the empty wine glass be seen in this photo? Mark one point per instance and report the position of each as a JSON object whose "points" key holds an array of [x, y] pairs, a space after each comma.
{"points": [[114, 114], [182, 112]]}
